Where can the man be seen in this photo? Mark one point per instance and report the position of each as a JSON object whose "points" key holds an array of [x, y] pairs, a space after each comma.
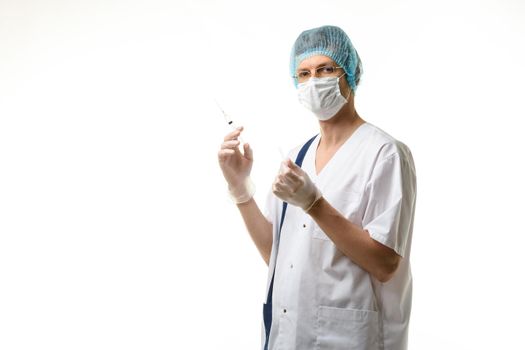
{"points": [[339, 256]]}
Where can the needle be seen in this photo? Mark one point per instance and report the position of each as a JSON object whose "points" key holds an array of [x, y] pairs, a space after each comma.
{"points": [[227, 119]]}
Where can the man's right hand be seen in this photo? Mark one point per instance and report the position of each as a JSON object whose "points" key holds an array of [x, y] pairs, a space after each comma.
{"points": [[236, 166]]}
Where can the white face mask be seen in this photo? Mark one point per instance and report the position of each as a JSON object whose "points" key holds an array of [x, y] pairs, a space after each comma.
{"points": [[321, 96]]}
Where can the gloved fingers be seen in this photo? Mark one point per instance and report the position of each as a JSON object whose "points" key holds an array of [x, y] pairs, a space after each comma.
{"points": [[248, 152], [291, 164], [234, 134], [232, 144], [281, 188], [293, 183], [294, 168], [288, 166], [224, 154], [229, 148], [289, 176]]}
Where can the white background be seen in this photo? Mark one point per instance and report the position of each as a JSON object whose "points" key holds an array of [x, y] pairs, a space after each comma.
{"points": [[115, 228]]}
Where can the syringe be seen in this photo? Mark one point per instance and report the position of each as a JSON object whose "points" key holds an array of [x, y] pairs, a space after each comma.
{"points": [[228, 119], [230, 122]]}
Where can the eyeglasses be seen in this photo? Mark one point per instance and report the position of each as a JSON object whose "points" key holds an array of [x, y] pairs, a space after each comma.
{"points": [[322, 72]]}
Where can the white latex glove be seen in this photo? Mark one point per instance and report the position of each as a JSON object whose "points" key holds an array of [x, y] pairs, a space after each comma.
{"points": [[294, 186], [236, 167]]}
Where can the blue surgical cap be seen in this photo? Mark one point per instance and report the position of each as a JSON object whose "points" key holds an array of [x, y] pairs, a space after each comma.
{"points": [[329, 41]]}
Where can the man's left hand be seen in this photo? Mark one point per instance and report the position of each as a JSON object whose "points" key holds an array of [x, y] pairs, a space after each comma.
{"points": [[294, 186]]}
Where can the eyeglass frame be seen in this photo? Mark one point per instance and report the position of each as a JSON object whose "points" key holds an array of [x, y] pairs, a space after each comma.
{"points": [[296, 76]]}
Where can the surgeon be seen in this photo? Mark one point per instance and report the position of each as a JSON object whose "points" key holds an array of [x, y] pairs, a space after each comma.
{"points": [[336, 230]]}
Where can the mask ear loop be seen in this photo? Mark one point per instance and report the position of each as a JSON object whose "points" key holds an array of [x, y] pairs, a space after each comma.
{"points": [[347, 97]]}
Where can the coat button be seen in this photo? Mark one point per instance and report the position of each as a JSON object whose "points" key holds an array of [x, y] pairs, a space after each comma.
{"points": [[284, 310], [304, 225]]}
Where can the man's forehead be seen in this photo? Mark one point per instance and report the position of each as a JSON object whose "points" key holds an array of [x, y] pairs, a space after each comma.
{"points": [[314, 62]]}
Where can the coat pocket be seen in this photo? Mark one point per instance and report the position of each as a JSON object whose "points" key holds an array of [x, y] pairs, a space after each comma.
{"points": [[345, 329]]}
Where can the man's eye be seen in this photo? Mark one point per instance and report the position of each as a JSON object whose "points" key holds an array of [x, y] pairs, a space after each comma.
{"points": [[303, 74], [326, 70]]}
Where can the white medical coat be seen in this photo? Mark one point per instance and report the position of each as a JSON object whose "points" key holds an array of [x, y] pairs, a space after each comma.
{"points": [[321, 299]]}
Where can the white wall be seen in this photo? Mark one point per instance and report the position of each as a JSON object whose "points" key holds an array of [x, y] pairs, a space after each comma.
{"points": [[115, 228]]}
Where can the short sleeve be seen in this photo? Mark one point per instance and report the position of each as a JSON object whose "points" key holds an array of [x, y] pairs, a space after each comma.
{"points": [[391, 194]]}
